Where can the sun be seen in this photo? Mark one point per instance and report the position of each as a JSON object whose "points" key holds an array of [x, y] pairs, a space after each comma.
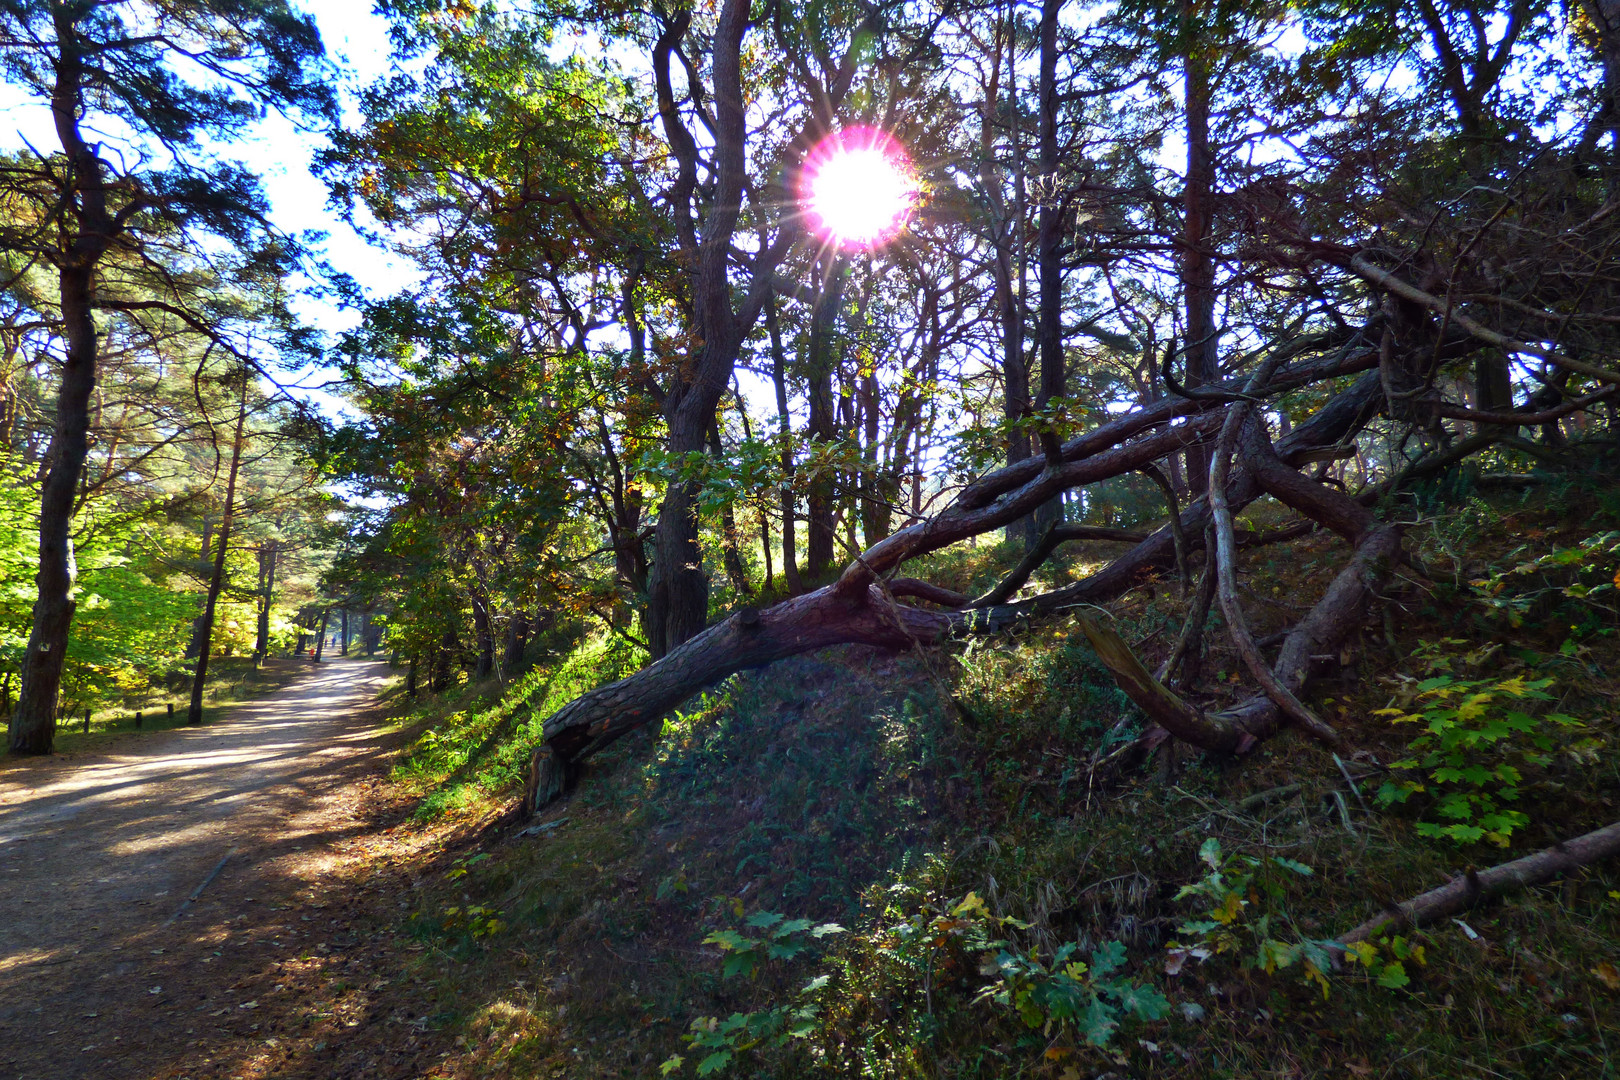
{"points": [[859, 187]]}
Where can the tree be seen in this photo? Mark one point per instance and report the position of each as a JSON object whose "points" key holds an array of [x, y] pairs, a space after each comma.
{"points": [[173, 73]]}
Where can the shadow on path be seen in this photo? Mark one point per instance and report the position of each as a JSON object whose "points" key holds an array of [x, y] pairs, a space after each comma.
{"points": [[105, 971]]}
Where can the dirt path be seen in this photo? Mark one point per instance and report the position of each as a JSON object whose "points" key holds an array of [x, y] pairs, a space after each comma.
{"points": [[106, 969]]}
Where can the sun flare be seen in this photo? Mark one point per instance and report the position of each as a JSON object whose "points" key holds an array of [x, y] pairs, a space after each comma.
{"points": [[860, 187]]}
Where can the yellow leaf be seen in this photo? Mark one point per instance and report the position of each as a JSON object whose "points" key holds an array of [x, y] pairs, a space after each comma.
{"points": [[1058, 1053], [971, 905], [1607, 975]]}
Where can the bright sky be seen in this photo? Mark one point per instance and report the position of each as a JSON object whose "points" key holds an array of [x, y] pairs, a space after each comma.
{"points": [[357, 42]]}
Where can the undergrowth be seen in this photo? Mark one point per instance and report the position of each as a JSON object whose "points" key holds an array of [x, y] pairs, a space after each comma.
{"points": [[1005, 906]]}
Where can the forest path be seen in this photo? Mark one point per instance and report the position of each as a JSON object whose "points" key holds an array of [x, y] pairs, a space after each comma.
{"points": [[107, 971]]}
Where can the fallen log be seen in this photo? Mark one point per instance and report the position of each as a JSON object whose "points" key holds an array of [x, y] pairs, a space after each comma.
{"points": [[860, 608], [1473, 888]]}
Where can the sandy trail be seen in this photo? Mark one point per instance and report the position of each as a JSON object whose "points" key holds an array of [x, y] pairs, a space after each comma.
{"points": [[105, 971]]}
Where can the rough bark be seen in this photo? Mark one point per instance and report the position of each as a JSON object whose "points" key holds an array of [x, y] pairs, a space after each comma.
{"points": [[748, 639], [1051, 538], [823, 428], [483, 634], [517, 641]]}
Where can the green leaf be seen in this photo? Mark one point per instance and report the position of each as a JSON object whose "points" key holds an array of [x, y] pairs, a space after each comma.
{"points": [[1144, 1002], [1393, 976], [1098, 1022], [1106, 959], [714, 1062]]}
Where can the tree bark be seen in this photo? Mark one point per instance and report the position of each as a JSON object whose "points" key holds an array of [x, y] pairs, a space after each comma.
{"points": [[320, 636], [267, 592], [1049, 242], [857, 608], [1197, 261], [1006, 230], [32, 729], [823, 427], [216, 581], [730, 542], [205, 556]]}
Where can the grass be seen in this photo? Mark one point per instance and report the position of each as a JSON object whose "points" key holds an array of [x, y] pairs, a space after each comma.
{"points": [[879, 791]]}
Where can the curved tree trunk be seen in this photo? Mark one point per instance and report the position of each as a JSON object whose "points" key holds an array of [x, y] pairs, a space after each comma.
{"points": [[33, 722]]}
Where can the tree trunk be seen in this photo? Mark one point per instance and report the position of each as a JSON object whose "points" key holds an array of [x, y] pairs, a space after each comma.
{"points": [[1007, 264], [823, 427], [216, 582], [677, 606], [855, 609], [484, 634], [748, 639], [1049, 242], [517, 642], [410, 678], [267, 591], [343, 632], [1197, 260], [439, 681], [205, 555], [790, 557], [32, 728], [320, 636], [730, 542]]}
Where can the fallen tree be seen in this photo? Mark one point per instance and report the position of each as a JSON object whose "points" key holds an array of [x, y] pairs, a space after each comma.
{"points": [[1403, 347], [1476, 887], [863, 605]]}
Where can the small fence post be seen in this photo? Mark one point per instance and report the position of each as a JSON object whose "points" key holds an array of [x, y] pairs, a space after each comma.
{"points": [[137, 719], [171, 711], [87, 721]]}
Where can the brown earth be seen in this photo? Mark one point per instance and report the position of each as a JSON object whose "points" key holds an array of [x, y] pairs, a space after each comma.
{"points": [[286, 964]]}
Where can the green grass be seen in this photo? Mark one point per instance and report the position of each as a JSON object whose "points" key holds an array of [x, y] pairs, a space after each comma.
{"points": [[232, 680]]}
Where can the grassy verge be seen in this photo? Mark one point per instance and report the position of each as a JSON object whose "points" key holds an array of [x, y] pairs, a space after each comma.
{"points": [[232, 681]]}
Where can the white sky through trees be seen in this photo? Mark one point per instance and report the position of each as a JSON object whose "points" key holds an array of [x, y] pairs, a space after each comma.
{"points": [[281, 153]]}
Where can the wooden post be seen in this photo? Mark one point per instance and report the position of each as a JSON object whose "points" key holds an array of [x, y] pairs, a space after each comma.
{"points": [[87, 721], [137, 719], [171, 712]]}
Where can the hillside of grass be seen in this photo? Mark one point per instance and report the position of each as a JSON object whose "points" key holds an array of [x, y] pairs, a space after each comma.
{"points": [[960, 862]]}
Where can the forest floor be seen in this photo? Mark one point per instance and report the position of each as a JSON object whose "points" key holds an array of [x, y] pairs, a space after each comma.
{"points": [[281, 966]]}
